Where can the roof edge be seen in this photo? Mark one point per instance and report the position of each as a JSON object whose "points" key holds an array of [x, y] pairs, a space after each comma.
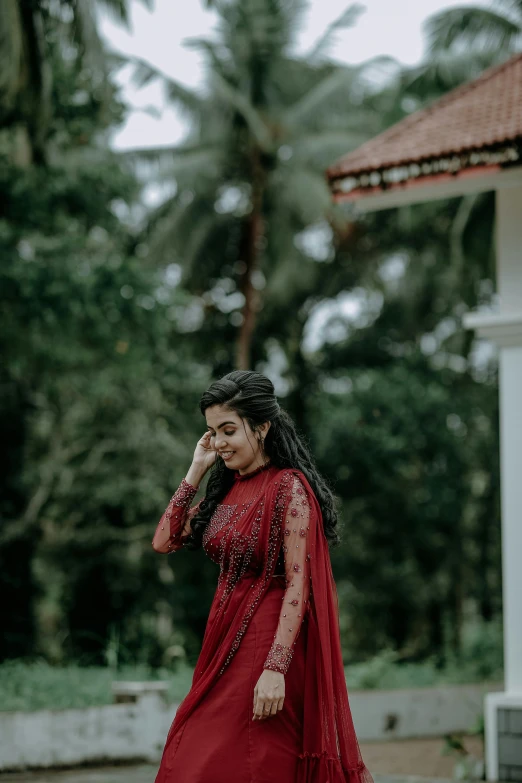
{"points": [[334, 171], [503, 155]]}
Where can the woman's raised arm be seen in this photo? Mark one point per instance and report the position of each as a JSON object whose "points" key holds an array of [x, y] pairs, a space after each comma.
{"points": [[174, 525]]}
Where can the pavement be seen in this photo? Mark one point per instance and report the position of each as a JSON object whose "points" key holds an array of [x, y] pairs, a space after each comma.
{"points": [[145, 773]]}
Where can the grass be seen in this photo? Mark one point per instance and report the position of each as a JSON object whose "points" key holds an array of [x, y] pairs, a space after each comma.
{"points": [[480, 660], [37, 685]]}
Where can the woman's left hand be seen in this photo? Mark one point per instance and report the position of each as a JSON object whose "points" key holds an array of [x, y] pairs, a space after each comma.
{"points": [[269, 694]]}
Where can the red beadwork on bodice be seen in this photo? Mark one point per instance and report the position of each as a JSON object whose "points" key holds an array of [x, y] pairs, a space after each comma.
{"points": [[232, 540], [232, 534]]}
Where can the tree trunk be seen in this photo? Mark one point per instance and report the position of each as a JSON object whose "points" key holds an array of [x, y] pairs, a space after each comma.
{"points": [[253, 232]]}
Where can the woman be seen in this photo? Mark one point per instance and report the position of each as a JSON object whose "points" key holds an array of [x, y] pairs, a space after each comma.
{"points": [[268, 701]]}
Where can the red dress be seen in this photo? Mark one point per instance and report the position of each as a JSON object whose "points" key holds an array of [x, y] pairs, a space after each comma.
{"points": [[275, 607]]}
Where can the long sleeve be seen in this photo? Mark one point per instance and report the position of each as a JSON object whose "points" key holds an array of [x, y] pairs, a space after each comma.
{"points": [[174, 525], [298, 579]]}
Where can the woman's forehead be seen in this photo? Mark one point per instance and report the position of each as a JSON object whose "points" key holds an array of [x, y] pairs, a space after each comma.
{"points": [[218, 415]]}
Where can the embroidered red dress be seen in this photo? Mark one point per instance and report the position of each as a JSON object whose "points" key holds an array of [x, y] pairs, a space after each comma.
{"points": [[275, 607]]}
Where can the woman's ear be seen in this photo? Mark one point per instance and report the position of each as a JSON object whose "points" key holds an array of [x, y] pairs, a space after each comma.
{"points": [[263, 428]]}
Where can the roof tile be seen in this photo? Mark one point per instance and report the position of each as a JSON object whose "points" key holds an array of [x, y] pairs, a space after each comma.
{"points": [[478, 115]]}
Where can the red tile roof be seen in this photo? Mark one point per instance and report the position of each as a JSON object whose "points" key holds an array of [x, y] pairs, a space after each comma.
{"points": [[480, 117]]}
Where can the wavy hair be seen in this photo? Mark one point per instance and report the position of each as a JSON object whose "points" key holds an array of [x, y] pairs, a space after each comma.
{"points": [[251, 395]]}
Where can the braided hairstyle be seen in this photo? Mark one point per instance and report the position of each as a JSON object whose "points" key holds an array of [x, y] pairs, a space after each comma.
{"points": [[251, 395]]}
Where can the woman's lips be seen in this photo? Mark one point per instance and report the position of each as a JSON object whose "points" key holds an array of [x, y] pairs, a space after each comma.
{"points": [[227, 456]]}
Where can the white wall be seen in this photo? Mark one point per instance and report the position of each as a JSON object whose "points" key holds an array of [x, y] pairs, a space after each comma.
{"points": [[124, 732]]}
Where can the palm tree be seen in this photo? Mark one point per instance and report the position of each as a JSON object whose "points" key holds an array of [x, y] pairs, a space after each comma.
{"points": [[250, 177], [30, 30], [496, 29]]}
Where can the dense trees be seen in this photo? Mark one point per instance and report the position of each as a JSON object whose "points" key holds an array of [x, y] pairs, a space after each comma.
{"points": [[114, 320]]}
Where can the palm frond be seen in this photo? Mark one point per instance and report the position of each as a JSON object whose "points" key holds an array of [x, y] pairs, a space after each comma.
{"points": [[512, 7], [324, 147], [193, 162], [340, 81], [445, 70], [211, 49], [304, 193], [347, 19], [473, 27], [238, 101], [87, 33], [187, 99], [119, 9]]}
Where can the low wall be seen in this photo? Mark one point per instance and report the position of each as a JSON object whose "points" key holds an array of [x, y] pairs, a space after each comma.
{"points": [[115, 732], [137, 731], [418, 712]]}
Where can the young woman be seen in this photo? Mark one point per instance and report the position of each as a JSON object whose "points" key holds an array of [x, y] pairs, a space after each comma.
{"points": [[268, 701]]}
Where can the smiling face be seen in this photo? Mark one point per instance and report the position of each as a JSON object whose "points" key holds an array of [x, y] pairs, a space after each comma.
{"points": [[234, 440]]}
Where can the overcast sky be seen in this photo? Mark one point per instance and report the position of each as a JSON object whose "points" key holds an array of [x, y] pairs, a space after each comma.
{"points": [[387, 27], [391, 27]]}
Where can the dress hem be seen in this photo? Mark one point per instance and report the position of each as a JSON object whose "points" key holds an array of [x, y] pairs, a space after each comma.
{"points": [[320, 768]]}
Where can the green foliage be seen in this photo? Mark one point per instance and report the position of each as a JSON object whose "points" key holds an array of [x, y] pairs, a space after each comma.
{"points": [[40, 40], [114, 320], [102, 381], [37, 685], [494, 29], [404, 460], [98, 388], [250, 176], [479, 660]]}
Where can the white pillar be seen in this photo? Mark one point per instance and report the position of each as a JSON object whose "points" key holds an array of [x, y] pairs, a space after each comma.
{"points": [[505, 329]]}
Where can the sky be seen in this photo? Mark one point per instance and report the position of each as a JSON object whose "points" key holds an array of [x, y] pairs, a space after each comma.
{"points": [[386, 27]]}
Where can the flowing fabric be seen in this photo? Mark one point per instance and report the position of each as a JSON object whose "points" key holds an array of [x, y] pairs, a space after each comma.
{"points": [[269, 523]]}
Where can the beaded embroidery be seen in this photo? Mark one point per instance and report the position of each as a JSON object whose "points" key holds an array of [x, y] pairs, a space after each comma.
{"points": [[176, 513], [221, 517], [276, 520], [298, 581], [231, 546], [279, 658]]}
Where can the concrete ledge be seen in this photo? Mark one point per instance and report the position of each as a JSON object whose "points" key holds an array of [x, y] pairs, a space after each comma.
{"points": [[418, 712], [137, 729], [59, 738]]}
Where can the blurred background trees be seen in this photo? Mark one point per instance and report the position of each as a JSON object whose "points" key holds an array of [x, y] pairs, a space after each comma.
{"points": [[116, 316]]}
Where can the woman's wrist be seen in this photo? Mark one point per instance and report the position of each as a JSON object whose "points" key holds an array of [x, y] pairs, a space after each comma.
{"points": [[195, 475]]}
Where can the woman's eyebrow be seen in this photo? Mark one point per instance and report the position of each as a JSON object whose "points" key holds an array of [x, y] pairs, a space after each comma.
{"points": [[223, 425]]}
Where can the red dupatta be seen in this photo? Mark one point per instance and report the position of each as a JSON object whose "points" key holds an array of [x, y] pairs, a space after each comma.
{"points": [[330, 751]]}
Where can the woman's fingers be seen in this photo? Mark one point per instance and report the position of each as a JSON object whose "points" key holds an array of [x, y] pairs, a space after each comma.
{"points": [[259, 706], [264, 709], [256, 705]]}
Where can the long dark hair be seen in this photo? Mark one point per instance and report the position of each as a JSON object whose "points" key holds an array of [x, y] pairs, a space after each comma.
{"points": [[251, 395]]}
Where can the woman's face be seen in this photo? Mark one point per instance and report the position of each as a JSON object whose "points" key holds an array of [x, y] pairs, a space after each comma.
{"points": [[232, 438]]}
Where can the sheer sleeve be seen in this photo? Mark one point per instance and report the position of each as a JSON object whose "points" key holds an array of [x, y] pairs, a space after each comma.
{"points": [[298, 579], [174, 525]]}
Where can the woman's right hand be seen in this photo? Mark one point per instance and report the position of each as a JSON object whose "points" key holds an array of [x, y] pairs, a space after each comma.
{"points": [[204, 454]]}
